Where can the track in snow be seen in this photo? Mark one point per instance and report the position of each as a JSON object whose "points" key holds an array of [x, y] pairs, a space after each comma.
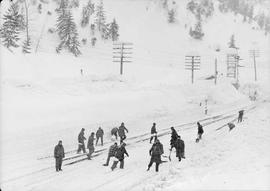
{"points": [[136, 139]]}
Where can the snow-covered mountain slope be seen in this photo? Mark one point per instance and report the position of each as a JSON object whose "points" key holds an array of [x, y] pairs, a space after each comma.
{"points": [[45, 98]]}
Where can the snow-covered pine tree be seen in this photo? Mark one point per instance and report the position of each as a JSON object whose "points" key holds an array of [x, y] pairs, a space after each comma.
{"points": [[100, 19], [113, 30], [171, 16], [63, 5], [165, 4], [74, 45], [67, 31], [74, 4], [192, 5], [26, 46], [11, 27], [105, 31], [261, 20], [234, 5], [267, 25], [190, 31], [197, 33], [40, 8], [232, 42], [88, 10], [250, 13]]}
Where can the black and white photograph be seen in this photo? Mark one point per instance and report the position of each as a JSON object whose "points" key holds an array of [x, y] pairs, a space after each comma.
{"points": [[134, 95]]}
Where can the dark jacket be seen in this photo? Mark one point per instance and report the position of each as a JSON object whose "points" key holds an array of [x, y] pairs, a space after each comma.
{"points": [[121, 130], [114, 130], [153, 130], [200, 129], [180, 145], [174, 137], [120, 152], [81, 137], [112, 150], [59, 151], [100, 132], [156, 151], [90, 143]]}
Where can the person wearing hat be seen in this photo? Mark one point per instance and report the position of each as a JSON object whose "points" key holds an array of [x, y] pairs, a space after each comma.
{"points": [[114, 132], [120, 156], [200, 132], [174, 137], [90, 145], [153, 133], [59, 154], [180, 148], [240, 116], [81, 139], [99, 134], [155, 152], [121, 132], [112, 150]]}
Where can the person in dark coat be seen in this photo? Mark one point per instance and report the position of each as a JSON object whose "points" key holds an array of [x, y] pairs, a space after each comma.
{"points": [[180, 148], [111, 153], [114, 132], [200, 130], [59, 154], [121, 132], [155, 152], [174, 137], [81, 139], [153, 133], [120, 156], [240, 116], [231, 126], [90, 145], [99, 134]]}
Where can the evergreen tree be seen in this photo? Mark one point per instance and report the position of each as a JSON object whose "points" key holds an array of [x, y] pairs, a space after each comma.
{"points": [[250, 13], [267, 25], [114, 30], [26, 46], [232, 42], [100, 20], [105, 31], [88, 10], [261, 20], [192, 5], [11, 27], [197, 33], [67, 31], [190, 31], [165, 4], [234, 5], [171, 14]]}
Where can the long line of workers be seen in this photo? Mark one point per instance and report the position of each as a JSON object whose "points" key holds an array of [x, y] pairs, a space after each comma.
{"points": [[118, 152]]}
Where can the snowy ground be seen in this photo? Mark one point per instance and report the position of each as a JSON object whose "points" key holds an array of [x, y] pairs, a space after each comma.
{"points": [[44, 98], [222, 160]]}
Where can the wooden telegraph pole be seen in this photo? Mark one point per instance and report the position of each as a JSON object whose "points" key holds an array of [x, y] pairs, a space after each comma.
{"points": [[192, 63], [121, 50], [216, 72], [254, 54]]}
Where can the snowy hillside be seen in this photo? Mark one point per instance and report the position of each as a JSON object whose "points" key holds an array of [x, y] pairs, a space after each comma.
{"points": [[46, 97]]}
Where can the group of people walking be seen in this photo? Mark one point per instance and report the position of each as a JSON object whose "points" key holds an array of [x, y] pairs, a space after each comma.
{"points": [[118, 151]]}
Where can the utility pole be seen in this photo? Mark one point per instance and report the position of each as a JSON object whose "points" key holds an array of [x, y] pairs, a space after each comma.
{"points": [[192, 63], [254, 53], [120, 54], [205, 107], [216, 71]]}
